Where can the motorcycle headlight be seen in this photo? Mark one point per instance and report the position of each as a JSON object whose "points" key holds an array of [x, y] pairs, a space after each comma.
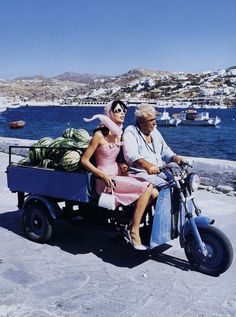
{"points": [[194, 181]]}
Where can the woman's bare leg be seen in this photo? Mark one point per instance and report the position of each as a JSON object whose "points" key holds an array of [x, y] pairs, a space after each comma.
{"points": [[140, 208], [155, 193]]}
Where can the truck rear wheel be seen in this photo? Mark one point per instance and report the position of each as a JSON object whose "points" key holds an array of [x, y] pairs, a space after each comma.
{"points": [[37, 222]]}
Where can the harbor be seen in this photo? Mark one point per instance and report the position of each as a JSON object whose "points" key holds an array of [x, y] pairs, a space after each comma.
{"points": [[199, 141]]}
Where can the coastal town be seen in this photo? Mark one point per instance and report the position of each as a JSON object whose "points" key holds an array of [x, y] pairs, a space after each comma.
{"points": [[210, 89]]}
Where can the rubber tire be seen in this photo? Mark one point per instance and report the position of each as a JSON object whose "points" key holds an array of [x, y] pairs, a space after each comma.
{"points": [[37, 222], [218, 245]]}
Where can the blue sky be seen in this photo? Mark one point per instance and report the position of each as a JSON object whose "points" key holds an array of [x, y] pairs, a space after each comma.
{"points": [[111, 37]]}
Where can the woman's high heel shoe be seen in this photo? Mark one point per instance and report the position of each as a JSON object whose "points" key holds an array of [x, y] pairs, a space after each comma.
{"points": [[129, 239]]}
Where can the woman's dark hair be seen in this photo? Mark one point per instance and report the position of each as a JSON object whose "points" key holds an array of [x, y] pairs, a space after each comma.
{"points": [[118, 102], [104, 130]]}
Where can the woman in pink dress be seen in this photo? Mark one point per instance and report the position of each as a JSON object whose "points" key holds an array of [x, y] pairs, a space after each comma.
{"points": [[105, 146]]}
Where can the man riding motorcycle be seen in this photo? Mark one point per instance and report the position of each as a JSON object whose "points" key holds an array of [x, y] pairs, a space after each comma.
{"points": [[144, 148]]}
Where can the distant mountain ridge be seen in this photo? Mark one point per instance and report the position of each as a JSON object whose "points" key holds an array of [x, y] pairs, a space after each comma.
{"points": [[37, 77], [80, 78], [87, 77]]}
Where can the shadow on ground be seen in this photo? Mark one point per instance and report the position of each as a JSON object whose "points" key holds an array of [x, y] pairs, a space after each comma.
{"points": [[79, 237]]}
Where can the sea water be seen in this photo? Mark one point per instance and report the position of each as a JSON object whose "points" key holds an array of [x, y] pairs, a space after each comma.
{"points": [[210, 142]]}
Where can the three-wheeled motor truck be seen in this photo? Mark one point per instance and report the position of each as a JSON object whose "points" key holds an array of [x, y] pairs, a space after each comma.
{"points": [[46, 194]]}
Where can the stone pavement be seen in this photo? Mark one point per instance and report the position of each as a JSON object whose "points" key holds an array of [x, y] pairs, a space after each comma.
{"points": [[82, 272]]}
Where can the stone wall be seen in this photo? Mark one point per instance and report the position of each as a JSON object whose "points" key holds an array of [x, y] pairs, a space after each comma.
{"points": [[6, 142], [215, 173]]}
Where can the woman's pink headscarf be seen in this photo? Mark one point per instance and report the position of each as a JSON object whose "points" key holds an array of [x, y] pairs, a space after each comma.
{"points": [[107, 120]]}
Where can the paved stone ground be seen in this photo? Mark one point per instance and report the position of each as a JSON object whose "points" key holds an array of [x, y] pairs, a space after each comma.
{"points": [[82, 272]]}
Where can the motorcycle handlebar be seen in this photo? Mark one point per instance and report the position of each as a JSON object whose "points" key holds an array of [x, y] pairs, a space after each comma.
{"points": [[174, 165], [184, 163]]}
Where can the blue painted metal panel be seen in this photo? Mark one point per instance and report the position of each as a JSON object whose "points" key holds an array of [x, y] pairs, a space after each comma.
{"points": [[161, 228], [200, 221], [46, 182], [203, 221]]}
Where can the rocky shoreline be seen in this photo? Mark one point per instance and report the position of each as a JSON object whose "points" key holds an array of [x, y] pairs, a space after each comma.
{"points": [[217, 176]]}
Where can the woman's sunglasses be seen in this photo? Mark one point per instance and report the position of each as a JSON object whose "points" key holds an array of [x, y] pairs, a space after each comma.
{"points": [[119, 110]]}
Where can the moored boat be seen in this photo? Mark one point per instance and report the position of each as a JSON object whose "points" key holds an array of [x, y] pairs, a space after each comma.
{"points": [[16, 124], [192, 117], [164, 119]]}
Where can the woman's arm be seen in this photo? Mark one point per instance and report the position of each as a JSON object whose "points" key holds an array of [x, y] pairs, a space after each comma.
{"points": [[97, 140]]}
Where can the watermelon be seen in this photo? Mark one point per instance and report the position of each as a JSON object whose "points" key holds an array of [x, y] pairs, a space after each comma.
{"points": [[46, 163], [35, 154], [82, 145], [61, 148], [53, 150], [63, 152], [68, 133], [81, 135], [24, 161], [71, 160], [46, 141], [69, 144]]}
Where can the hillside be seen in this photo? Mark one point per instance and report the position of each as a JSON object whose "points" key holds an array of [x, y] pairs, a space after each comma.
{"points": [[137, 84]]}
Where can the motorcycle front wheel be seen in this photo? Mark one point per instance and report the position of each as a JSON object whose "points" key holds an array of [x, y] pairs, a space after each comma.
{"points": [[220, 251]]}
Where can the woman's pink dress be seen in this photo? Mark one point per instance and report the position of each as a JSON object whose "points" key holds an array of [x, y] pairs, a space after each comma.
{"points": [[128, 189]]}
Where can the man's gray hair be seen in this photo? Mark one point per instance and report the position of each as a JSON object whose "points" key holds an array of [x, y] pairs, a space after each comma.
{"points": [[142, 111]]}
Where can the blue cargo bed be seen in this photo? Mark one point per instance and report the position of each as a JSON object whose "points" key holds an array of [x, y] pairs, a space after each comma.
{"points": [[48, 182]]}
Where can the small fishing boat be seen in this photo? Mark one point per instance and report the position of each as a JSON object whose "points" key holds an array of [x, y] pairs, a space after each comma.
{"points": [[192, 117], [164, 119], [13, 106], [16, 124]]}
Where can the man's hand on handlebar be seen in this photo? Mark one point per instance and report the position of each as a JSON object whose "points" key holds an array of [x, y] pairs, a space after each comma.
{"points": [[180, 161], [177, 159]]}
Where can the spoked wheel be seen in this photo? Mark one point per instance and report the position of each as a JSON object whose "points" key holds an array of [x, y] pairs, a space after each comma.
{"points": [[37, 222], [220, 251]]}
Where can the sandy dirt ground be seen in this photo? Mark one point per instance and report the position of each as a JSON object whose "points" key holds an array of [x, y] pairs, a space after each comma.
{"points": [[82, 272]]}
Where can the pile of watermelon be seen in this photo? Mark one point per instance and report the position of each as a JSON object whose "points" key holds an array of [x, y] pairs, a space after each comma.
{"points": [[63, 153]]}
